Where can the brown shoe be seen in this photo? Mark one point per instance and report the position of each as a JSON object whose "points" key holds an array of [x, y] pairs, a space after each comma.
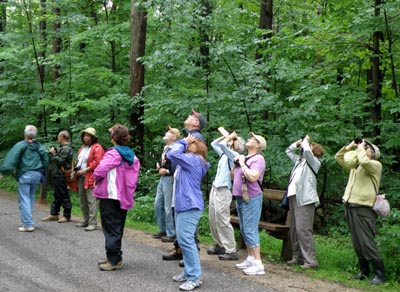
{"points": [[216, 249], [159, 235], [50, 218], [294, 261], [109, 267], [308, 267], [175, 254], [64, 219], [102, 262], [168, 238]]}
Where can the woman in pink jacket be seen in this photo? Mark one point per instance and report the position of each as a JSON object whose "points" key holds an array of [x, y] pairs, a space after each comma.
{"points": [[116, 179], [89, 156]]}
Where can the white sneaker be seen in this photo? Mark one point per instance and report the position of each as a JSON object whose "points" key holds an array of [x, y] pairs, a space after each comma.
{"points": [[26, 229], [254, 270], [244, 265]]}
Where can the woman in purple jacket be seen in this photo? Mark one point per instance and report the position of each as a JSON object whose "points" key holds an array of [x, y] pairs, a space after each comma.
{"points": [[190, 156], [116, 179]]}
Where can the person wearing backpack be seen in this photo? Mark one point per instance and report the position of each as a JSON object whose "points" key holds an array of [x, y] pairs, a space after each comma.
{"points": [[303, 198], [60, 158], [29, 159]]}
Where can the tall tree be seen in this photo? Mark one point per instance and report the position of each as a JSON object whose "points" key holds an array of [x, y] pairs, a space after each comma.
{"points": [[375, 76], [56, 41], [138, 25]]}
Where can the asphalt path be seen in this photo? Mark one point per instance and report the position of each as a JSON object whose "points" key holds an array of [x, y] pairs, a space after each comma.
{"points": [[61, 257]]}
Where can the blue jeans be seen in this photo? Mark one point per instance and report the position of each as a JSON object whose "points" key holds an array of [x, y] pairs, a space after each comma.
{"points": [[186, 224], [249, 216], [27, 185], [162, 206]]}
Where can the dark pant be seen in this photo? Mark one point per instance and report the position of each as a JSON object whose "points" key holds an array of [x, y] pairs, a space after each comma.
{"points": [[113, 222], [61, 198], [362, 221]]}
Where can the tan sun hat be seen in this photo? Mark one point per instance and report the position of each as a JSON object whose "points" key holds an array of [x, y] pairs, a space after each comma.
{"points": [[260, 140], [351, 159], [175, 131], [375, 149], [90, 131]]}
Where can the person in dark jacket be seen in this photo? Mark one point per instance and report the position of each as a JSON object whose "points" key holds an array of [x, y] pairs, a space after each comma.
{"points": [[29, 159], [60, 158]]}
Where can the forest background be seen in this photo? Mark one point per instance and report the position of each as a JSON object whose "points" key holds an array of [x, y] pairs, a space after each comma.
{"points": [[281, 69]]}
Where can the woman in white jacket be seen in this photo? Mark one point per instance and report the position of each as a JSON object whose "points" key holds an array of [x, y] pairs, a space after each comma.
{"points": [[303, 198]]}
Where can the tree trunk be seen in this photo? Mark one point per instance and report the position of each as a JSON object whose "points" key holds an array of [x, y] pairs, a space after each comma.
{"points": [[375, 78], [266, 21], [43, 43], [56, 42], [3, 18], [138, 25]]}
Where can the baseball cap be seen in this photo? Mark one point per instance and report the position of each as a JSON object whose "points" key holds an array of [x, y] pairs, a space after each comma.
{"points": [[175, 131], [201, 118], [260, 140]]}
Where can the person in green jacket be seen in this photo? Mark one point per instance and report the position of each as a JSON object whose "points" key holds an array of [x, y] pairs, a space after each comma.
{"points": [[28, 159], [60, 157], [359, 197]]}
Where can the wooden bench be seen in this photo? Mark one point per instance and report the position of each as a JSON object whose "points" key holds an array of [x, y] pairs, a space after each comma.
{"points": [[277, 230]]}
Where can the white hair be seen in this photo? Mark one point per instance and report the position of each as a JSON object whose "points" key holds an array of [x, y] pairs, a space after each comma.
{"points": [[30, 132]]}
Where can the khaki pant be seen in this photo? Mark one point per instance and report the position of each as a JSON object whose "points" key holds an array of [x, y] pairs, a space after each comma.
{"points": [[88, 203], [301, 232], [219, 218]]}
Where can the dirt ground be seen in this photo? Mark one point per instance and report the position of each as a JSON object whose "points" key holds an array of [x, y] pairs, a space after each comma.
{"points": [[278, 276]]}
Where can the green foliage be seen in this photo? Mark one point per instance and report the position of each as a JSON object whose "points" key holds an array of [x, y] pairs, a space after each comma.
{"points": [[311, 77], [388, 240], [143, 210]]}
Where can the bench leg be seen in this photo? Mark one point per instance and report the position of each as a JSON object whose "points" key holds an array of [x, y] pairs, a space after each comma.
{"points": [[241, 244], [286, 252]]}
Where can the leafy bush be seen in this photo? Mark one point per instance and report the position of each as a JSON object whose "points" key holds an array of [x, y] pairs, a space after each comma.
{"points": [[388, 240], [143, 210]]}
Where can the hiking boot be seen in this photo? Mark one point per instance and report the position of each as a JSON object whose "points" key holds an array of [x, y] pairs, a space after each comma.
{"points": [[181, 264], [190, 285], [159, 235], [244, 265], [254, 270], [50, 218], [102, 261], [91, 228], [26, 229], [168, 238], [81, 224], [64, 220], [232, 256], [109, 267], [294, 261], [359, 276], [174, 255], [216, 249], [306, 266]]}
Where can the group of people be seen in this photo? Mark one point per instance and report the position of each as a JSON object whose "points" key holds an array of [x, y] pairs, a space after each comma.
{"points": [[239, 177], [109, 179]]}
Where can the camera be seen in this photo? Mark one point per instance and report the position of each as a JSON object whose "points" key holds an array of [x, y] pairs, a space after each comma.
{"points": [[185, 132], [358, 140]]}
